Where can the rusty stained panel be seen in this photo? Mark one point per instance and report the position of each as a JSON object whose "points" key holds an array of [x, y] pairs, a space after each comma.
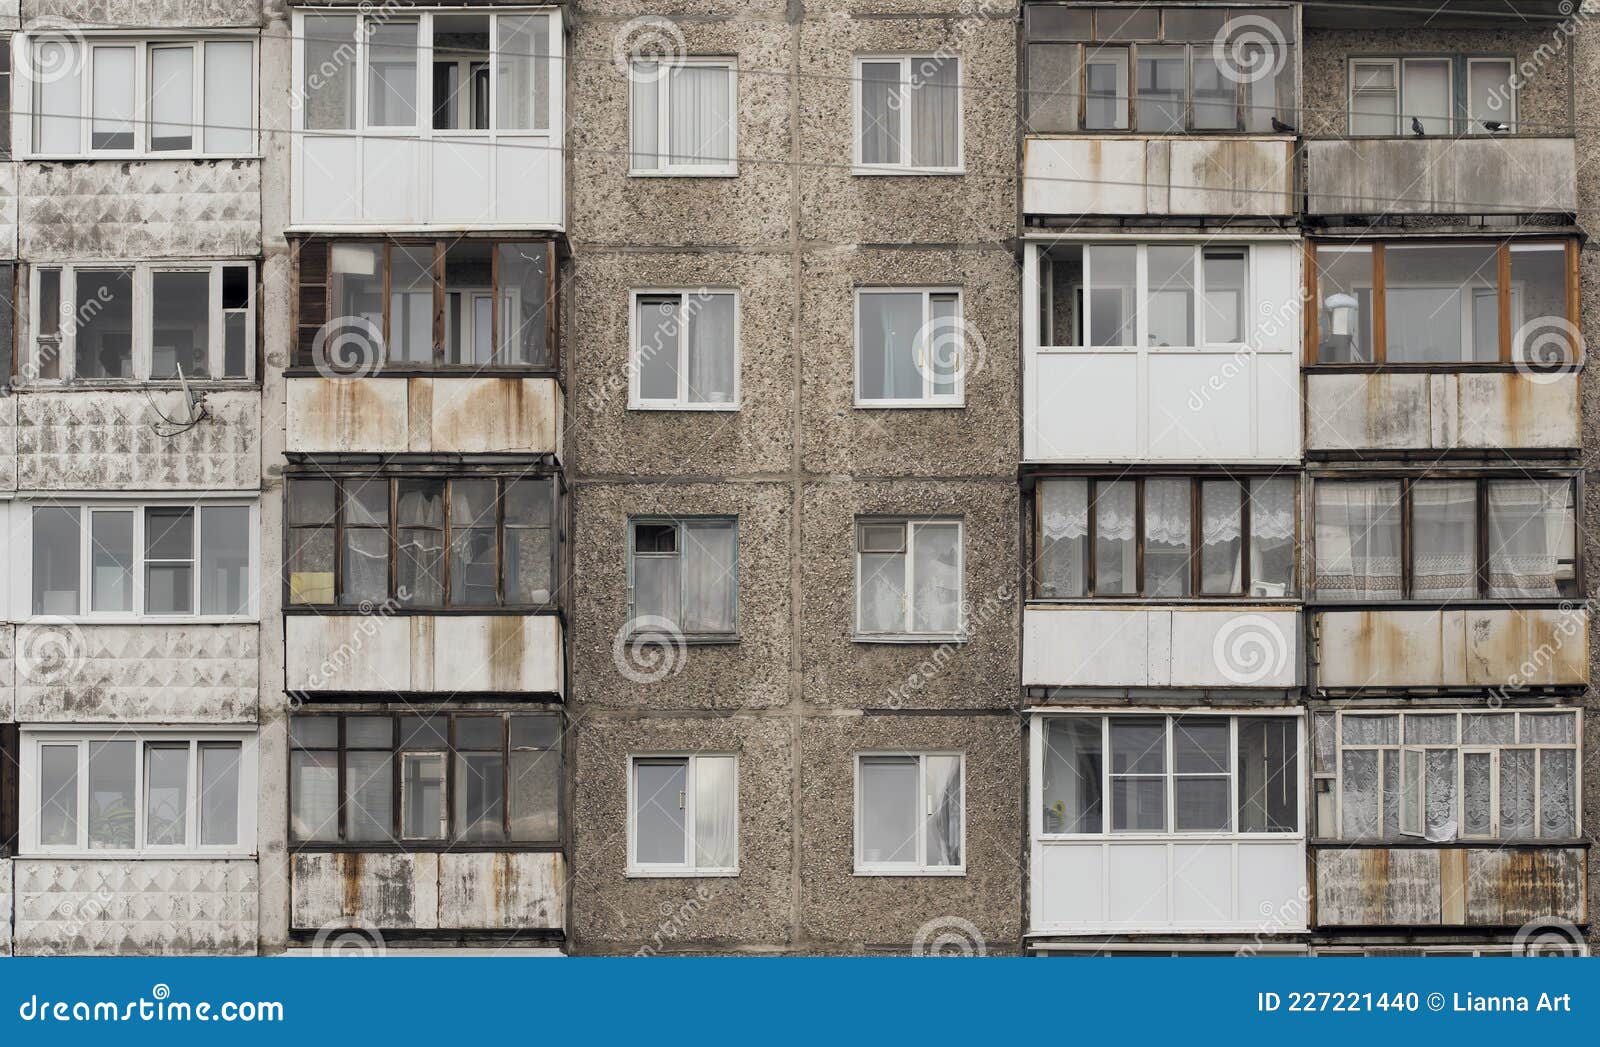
{"points": [[450, 653], [1441, 175], [1131, 175], [429, 891], [5, 907], [421, 415], [1414, 411], [1447, 886], [1487, 647]]}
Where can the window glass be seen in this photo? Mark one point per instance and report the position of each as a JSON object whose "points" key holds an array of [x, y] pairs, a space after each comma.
{"points": [[47, 337], [1106, 89], [59, 98], [710, 577], [1272, 536], [411, 303], [1168, 527], [180, 341], [889, 810], [1200, 785], [1052, 112], [535, 775], [469, 304], [936, 578], [1221, 507], [890, 323], [172, 98], [522, 71], [1358, 549], [461, 71], [111, 126], [1074, 770], [880, 112], [224, 559], [1163, 75], [660, 795], [422, 795], [1064, 537], [110, 560], [1112, 294], [1216, 102], [56, 560], [710, 348], [314, 781], [1539, 308], [943, 829], [1169, 302], [169, 560], [479, 789], [716, 824], [1374, 98], [1226, 273], [1116, 549], [525, 300], [1443, 303], [419, 564], [166, 793], [699, 115], [658, 332], [58, 795], [473, 571], [1444, 539], [1531, 538], [328, 90], [219, 793], [229, 95], [105, 323], [356, 284], [529, 565], [1426, 90], [391, 73], [1491, 96], [1344, 305], [113, 808], [1138, 775], [1268, 774]]}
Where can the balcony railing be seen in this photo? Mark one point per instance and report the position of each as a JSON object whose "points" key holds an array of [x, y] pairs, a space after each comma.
{"points": [[1477, 174]]}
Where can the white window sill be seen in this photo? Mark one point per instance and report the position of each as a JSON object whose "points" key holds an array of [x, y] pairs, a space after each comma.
{"points": [[1154, 837], [910, 638], [872, 171], [138, 856], [72, 158], [635, 872], [896, 405], [909, 872], [687, 172], [123, 619], [662, 405]]}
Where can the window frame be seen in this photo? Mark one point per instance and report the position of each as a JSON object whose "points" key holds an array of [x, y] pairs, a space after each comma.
{"points": [[359, 66], [679, 525], [338, 526], [911, 524], [1196, 481], [142, 309], [905, 166], [666, 168], [1459, 65], [681, 402], [929, 399], [309, 318], [1334, 719], [1234, 719], [143, 43], [22, 560], [1508, 290], [1481, 551], [688, 869], [920, 867], [451, 840], [34, 737]]}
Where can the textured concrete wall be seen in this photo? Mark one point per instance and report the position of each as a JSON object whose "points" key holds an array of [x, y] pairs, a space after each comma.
{"points": [[98, 907], [140, 209], [106, 441], [144, 674]]}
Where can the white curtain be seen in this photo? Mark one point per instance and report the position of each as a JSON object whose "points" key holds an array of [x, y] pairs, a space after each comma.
{"points": [[1358, 540], [699, 118], [1444, 555], [1527, 519], [716, 821], [1064, 531], [889, 326], [936, 578], [710, 573], [646, 116], [935, 112], [944, 822], [880, 112], [711, 348]]}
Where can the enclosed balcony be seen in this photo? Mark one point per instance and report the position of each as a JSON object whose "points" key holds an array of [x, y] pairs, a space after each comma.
{"points": [[1159, 110], [432, 118], [1161, 351]]}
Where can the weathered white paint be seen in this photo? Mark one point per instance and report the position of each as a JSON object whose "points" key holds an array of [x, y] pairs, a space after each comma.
{"points": [[403, 653], [1132, 175], [1183, 404], [102, 907], [429, 891], [1449, 886], [140, 209], [1441, 412], [1077, 645], [420, 415], [1454, 647], [1470, 174], [5, 907]]}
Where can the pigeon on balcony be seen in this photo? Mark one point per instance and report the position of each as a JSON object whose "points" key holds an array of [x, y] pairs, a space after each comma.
{"points": [[1495, 126], [1416, 128], [1281, 127]]}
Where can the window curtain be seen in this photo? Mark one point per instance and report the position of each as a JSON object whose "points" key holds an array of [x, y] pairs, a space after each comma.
{"points": [[716, 822], [646, 116], [944, 823], [1526, 518], [888, 809], [699, 120], [1221, 512], [935, 112], [1358, 540], [1444, 557], [1167, 532], [1064, 533], [228, 113], [710, 556], [936, 578], [711, 350], [880, 112]]}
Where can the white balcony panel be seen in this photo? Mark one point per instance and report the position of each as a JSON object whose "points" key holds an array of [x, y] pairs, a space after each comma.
{"points": [[1167, 886], [1073, 645], [449, 654]]}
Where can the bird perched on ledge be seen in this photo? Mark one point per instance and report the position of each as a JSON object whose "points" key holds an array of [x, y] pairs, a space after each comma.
{"points": [[1495, 126], [1416, 128], [1281, 127]]}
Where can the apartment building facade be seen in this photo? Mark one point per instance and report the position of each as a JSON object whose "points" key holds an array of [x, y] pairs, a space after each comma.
{"points": [[868, 476]]}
